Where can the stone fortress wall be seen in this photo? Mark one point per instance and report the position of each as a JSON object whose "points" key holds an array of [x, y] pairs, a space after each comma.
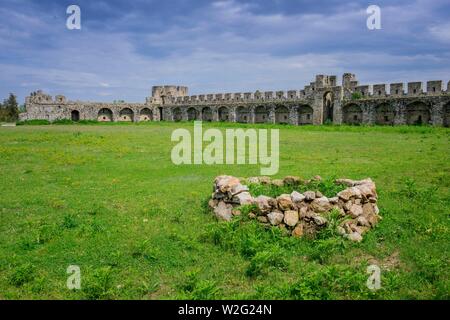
{"points": [[322, 101]]}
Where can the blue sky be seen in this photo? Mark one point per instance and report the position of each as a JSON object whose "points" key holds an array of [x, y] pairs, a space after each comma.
{"points": [[125, 47]]}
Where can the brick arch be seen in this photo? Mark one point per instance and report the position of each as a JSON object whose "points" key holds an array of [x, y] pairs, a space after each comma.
{"points": [[224, 114], [417, 113], [328, 107], [352, 114], [384, 114], [193, 114], [146, 115], [282, 115], [126, 115], [105, 115], [261, 114], [207, 114], [177, 114], [447, 114], [75, 115], [242, 114], [305, 114]]}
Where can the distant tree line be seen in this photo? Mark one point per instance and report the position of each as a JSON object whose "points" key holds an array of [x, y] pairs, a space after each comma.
{"points": [[9, 109]]}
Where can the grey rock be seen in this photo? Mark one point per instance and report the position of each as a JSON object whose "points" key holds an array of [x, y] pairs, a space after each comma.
{"points": [[355, 236], [309, 195], [263, 203], [346, 182], [223, 211], [224, 184], [334, 200], [284, 202], [278, 182], [355, 210], [238, 189], [340, 230], [291, 180], [291, 218], [243, 198], [320, 221], [264, 180], [362, 221], [368, 209], [321, 205], [253, 180], [297, 197], [275, 217], [262, 219]]}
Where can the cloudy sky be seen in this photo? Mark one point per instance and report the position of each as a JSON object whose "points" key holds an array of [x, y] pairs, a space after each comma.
{"points": [[125, 47]]}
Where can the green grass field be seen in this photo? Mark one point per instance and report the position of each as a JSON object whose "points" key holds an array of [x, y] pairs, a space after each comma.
{"points": [[108, 199]]}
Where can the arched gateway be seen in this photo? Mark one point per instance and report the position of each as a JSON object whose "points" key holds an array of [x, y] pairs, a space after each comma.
{"points": [[75, 115]]}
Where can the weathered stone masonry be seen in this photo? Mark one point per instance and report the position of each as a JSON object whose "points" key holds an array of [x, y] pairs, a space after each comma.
{"points": [[300, 214], [322, 101]]}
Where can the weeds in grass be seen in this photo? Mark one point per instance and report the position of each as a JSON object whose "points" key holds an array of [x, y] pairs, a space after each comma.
{"points": [[322, 283], [97, 227], [326, 187], [27, 242], [268, 249], [69, 222], [263, 261], [322, 249], [431, 269], [319, 283], [139, 249], [112, 177], [251, 241], [149, 286], [88, 122], [39, 284], [45, 233], [22, 274], [421, 195], [98, 284], [334, 219], [177, 217], [246, 209], [143, 250], [194, 288], [33, 122], [114, 258], [64, 122]]}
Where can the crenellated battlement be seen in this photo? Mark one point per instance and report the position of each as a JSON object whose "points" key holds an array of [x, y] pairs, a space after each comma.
{"points": [[322, 83], [162, 95], [320, 101]]}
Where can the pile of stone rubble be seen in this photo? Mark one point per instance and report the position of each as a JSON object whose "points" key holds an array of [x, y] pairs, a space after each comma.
{"points": [[300, 214]]}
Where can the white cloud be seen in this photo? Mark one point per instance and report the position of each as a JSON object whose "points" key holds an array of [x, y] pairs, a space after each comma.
{"points": [[226, 47], [441, 32]]}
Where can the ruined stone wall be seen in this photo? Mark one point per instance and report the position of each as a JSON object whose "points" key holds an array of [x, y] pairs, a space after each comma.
{"points": [[42, 106], [322, 101], [354, 209], [371, 104]]}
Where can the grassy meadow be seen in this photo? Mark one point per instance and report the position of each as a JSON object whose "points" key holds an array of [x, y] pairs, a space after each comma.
{"points": [[108, 199]]}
